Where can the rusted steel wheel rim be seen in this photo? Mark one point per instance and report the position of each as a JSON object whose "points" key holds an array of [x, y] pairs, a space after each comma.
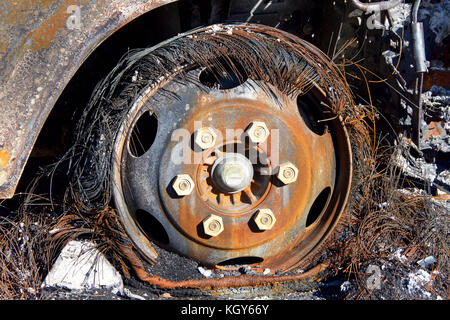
{"points": [[233, 170]]}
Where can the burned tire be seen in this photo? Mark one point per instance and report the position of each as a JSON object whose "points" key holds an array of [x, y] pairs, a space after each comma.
{"points": [[226, 146]]}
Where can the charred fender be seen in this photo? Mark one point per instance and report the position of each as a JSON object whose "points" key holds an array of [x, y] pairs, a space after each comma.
{"points": [[43, 43]]}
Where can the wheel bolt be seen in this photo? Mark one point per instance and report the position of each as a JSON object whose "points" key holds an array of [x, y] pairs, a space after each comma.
{"points": [[288, 173], [258, 132], [205, 138], [264, 219], [183, 185], [213, 225]]}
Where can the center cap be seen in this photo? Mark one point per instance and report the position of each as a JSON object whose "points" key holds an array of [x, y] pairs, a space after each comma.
{"points": [[232, 172]]}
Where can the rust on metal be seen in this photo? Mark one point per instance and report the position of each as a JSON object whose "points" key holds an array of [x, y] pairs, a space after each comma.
{"points": [[4, 158], [40, 51], [299, 145], [237, 202], [435, 129], [220, 283], [233, 281], [442, 197]]}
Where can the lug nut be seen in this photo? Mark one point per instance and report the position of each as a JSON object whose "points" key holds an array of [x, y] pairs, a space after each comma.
{"points": [[288, 173], [205, 138], [265, 219], [258, 132], [183, 185], [213, 225]]}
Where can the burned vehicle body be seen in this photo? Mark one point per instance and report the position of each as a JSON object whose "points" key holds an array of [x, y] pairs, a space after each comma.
{"points": [[43, 45], [50, 49]]}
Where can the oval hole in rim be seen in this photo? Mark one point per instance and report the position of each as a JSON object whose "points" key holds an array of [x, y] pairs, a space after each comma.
{"points": [[311, 113], [240, 261], [143, 134], [318, 206], [152, 227]]}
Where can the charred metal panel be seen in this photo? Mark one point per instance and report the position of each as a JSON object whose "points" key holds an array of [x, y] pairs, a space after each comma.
{"points": [[42, 44]]}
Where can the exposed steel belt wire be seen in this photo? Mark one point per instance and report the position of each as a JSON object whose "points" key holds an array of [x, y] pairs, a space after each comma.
{"points": [[216, 283]]}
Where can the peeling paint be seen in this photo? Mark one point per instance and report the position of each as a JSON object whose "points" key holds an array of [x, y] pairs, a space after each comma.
{"points": [[4, 158]]}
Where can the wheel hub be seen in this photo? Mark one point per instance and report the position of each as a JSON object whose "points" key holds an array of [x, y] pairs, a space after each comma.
{"points": [[229, 183], [232, 173]]}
